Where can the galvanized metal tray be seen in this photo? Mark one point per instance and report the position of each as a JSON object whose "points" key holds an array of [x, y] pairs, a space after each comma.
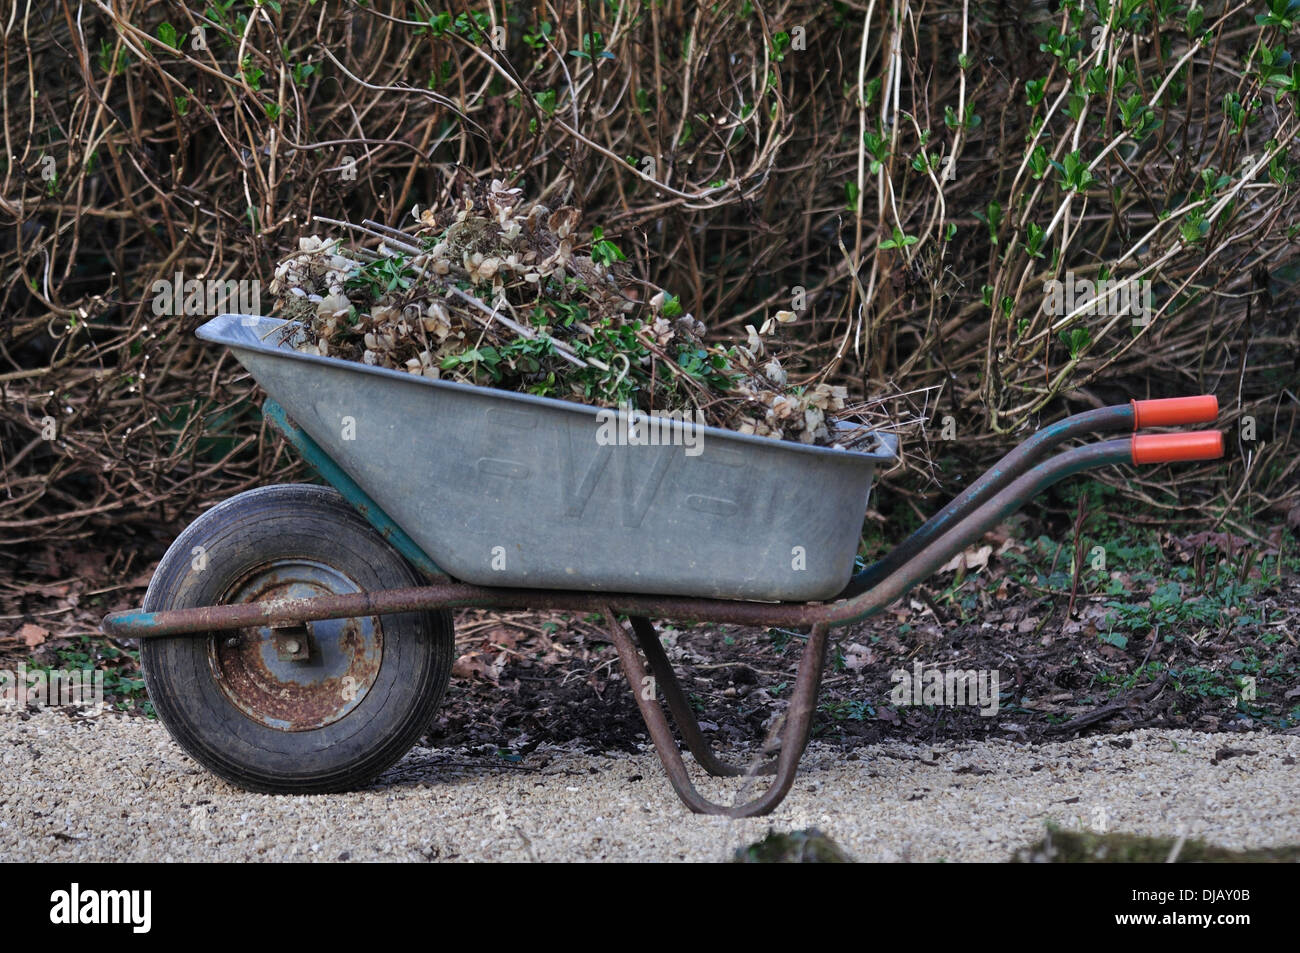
{"points": [[507, 489]]}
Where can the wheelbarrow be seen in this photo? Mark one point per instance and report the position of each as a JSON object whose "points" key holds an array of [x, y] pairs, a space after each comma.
{"points": [[298, 638]]}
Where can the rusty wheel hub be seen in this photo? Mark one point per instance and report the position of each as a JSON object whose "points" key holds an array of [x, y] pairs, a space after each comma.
{"points": [[300, 677]]}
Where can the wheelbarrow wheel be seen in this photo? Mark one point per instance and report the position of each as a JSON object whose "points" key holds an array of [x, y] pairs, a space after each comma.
{"points": [[322, 707]]}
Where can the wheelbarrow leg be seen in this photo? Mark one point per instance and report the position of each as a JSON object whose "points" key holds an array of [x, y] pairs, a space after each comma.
{"points": [[683, 717], [794, 737]]}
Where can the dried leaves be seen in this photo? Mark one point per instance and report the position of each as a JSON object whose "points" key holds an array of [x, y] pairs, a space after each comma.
{"points": [[498, 291]]}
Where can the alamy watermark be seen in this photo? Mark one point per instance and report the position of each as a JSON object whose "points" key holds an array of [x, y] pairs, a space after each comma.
{"points": [[948, 688], [133, 908], [1106, 296], [629, 427], [197, 297], [75, 688]]}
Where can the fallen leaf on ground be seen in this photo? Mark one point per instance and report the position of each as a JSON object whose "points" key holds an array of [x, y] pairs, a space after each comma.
{"points": [[973, 558], [857, 657], [476, 665], [33, 635]]}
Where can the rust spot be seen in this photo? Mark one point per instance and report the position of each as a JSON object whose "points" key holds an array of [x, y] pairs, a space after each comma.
{"points": [[298, 696], [297, 677]]}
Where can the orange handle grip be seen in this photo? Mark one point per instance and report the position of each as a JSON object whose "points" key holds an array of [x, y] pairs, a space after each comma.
{"points": [[1172, 411], [1171, 447]]}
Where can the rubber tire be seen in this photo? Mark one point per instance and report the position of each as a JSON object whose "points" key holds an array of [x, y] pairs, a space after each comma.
{"points": [[283, 522]]}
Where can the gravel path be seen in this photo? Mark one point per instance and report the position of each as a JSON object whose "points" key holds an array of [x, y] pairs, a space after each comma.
{"points": [[115, 788]]}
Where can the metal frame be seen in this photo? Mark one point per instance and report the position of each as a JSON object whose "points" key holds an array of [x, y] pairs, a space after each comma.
{"points": [[798, 720]]}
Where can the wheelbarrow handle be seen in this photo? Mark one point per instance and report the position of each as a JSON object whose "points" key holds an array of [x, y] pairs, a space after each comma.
{"points": [[1148, 448], [1174, 447], [1131, 416], [1173, 411]]}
